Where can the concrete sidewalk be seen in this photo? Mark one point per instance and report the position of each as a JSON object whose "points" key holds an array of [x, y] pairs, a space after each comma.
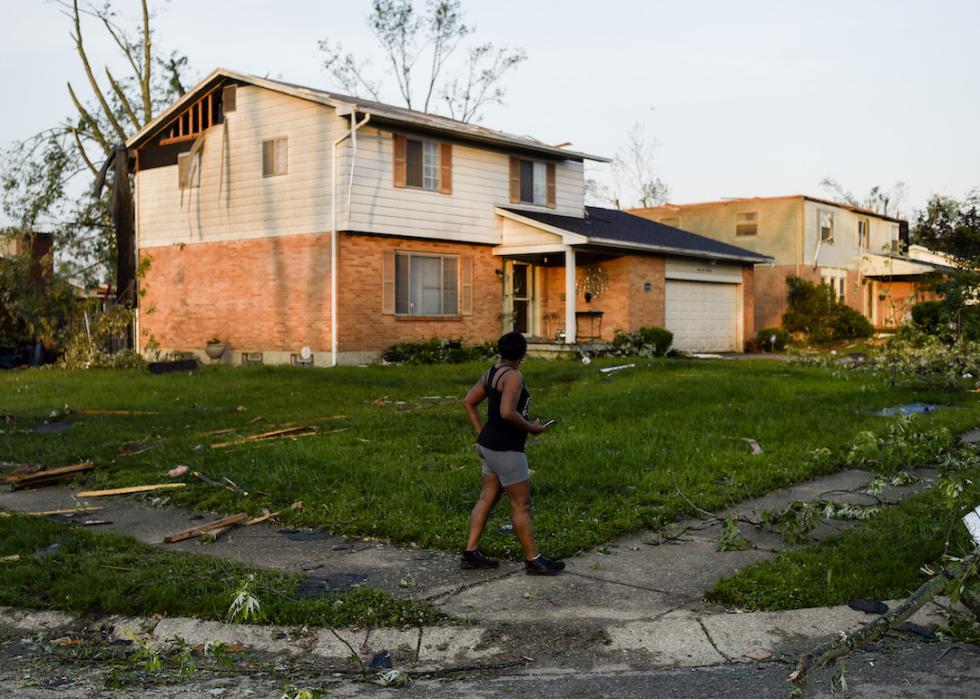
{"points": [[639, 577]]}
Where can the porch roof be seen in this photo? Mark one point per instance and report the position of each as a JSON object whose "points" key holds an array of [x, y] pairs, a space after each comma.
{"points": [[890, 266], [618, 229]]}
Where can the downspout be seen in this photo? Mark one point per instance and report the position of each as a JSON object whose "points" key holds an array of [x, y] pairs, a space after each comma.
{"points": [[352, 133]]}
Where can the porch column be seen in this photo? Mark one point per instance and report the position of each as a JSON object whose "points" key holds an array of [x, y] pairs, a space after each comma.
{"points": [[569, 295]]}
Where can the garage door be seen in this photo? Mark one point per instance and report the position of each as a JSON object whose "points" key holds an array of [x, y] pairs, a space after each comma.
{"points": [[703, 316]]}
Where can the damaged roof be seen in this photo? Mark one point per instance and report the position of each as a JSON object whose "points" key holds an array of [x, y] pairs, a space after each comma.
{"points": [[621, 229], [385, 113]]}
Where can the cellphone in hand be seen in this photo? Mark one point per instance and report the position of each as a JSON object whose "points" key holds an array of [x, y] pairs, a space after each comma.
{"points": [[549, 423]]}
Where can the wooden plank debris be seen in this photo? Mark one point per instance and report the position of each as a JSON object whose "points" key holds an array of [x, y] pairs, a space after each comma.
{"points": [[130, 490], [10, 559], [65, 511], [301, 431], [47, 476], [266, 516], [197, 531]]}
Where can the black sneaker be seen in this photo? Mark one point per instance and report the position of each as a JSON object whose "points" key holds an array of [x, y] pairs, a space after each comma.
{"points": [[543, 566], [475, 559]]}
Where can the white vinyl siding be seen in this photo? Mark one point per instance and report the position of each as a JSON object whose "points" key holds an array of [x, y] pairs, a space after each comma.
{"points": [[236, 202], [481, 181], [426, 285]]}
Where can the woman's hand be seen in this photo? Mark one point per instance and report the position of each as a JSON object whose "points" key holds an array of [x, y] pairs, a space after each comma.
{"points": [[536, 427]]}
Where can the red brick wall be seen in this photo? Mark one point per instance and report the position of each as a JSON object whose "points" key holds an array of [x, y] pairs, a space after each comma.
{"points": [[899, 297], [624, 303], [363, 326], [748, 303], [259, 294], [769, 285], [273, 294]]}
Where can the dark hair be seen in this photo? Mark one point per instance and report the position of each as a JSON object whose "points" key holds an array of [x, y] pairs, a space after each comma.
{"points": [[512, 345]]}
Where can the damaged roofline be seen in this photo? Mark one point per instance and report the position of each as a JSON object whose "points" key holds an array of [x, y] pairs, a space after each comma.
{"points": [[387, 113]]}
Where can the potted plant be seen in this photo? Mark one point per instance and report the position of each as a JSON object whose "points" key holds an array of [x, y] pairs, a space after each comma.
{"points": [[215, 348]]}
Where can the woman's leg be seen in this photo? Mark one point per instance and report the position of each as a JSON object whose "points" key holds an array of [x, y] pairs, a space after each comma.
{"points": [[489, 496], [520, 505]]}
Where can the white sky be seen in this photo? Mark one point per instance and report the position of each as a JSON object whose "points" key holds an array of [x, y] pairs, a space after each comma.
{"points": [[747, 98]]}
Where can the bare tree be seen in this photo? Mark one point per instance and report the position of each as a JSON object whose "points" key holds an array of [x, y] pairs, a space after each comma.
{"points": [[417, 50], [633, 182], [41, 173], [887, 202]]}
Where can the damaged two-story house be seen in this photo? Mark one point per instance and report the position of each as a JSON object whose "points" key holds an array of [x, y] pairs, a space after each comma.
{"points": [[302, 226]]}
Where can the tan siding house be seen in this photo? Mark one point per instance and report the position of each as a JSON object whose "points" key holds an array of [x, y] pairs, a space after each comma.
{"points": [[298, 225], [859, 253]]}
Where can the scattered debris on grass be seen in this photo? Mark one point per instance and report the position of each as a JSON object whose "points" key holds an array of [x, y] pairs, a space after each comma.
{"points": [[130, 490], [196, 531], [753, 444], [381, 660], [611, 369], [291, 432], [62, 512], [47, 476], [266, 515], [178, 471], [168, 367], [10, 559], [421, 404], [392, 678], [908, 409], [139, 446]]}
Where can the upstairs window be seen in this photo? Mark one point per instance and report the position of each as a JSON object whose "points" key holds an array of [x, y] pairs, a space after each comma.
{"points": [[426, 285], [825, 220], [423, 164], [863, 233], [274, 157], [895, 240], [189, 170], [532, 182], [746, 223]]}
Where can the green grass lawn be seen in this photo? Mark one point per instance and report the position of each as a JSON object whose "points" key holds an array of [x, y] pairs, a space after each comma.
{"points": [[880, 559], [409, 473], [108, 574]]}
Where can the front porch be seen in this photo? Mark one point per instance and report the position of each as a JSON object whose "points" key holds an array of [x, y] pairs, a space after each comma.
{"points": [[542, 349]]}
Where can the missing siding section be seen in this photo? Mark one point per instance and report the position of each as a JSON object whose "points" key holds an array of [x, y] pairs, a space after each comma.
{"points": [[198, 117]]}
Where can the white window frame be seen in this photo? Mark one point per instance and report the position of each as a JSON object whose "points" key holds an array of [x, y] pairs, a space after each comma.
{"points": [[431, 164], [836, 279], [895, 239], [539, 182], [821, 213], [864, 233], [405, 306], [183, 164], [280, 157]]}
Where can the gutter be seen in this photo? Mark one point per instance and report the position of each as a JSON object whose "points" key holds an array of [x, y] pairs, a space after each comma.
{"points": [[352, 134]]}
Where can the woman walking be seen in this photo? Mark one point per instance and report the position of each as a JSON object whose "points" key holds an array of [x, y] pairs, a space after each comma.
{"points": [[500, 444]]}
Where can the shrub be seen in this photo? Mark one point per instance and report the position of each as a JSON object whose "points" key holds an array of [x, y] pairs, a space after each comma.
{"points": [[772, 339], [930, 317], [103, 344], [646, 342], [847, 324], [437, 351], [816, 310]]}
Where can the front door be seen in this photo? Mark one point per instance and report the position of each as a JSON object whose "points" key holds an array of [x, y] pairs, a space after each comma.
{"points": [[521, 297]]}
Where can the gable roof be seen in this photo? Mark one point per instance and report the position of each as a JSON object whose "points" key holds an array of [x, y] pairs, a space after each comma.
{"points": [[749, 200], [385, 113], [621, 229]]}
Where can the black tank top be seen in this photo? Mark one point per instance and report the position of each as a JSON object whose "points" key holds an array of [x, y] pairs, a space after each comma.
{"points": [[499, 434]]}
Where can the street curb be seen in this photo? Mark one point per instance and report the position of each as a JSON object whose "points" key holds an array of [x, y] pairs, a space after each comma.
{"points": [[678, 639]]}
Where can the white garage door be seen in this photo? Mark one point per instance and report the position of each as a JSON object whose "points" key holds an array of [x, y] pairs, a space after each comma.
{"points": [[703, 316]]}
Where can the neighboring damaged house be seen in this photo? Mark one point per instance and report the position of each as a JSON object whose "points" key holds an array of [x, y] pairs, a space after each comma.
{"points": [[293, 223], [858, 253]]}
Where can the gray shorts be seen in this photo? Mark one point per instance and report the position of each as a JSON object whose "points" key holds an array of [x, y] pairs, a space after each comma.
{"points": [[509, 467]]}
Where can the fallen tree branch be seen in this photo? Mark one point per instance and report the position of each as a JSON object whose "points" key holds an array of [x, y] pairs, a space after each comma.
{"points": [[848, 642]]}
